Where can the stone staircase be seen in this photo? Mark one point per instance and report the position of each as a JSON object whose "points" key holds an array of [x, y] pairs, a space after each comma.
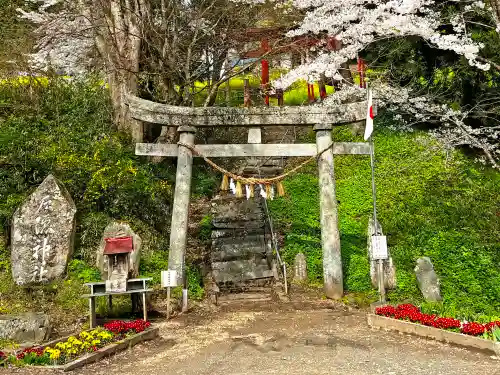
{"points": [[242, 261], [241, 256]]}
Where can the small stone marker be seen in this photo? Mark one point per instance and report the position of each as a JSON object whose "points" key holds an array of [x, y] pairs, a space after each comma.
{"points": [[428, 281], [116, 230], [300, 266], [389, 269], [42, 234]]}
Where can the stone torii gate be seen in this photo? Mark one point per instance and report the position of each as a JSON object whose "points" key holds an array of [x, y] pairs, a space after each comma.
{"points": [[187, 119]]}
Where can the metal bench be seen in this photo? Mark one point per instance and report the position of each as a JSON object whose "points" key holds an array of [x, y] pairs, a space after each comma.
{"points": [[134, 286]]}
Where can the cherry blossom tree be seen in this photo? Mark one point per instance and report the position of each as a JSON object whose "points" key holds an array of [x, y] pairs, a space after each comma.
{"points": [[360, 24]]}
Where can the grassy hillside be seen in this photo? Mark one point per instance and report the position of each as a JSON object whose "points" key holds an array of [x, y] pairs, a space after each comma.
{"points": [[431, 202]]}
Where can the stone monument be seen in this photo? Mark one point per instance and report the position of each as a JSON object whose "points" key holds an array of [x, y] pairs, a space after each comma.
{"points": [[300, 267], [389, 268], [42, 234], [428, 281]]}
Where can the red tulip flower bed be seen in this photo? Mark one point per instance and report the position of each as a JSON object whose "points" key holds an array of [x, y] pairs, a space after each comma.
{"points": [[119, 327], [413, 314]]}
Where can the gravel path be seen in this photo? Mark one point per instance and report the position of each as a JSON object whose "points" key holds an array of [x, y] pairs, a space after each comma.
{"points": [[286, 341]]}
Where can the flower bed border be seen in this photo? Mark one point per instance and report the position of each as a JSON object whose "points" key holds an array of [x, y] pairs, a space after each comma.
{"points": [[467, 341], [108, 350]]}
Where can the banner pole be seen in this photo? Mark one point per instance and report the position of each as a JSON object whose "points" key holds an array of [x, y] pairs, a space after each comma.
{"points": [[380, 262]]}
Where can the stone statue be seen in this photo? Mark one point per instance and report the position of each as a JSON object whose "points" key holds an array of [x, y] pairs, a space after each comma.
{"points": [[428, 281]]}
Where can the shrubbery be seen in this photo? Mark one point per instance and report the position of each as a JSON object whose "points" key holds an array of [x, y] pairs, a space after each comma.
{"points": [[431, 202], [64, 127]]}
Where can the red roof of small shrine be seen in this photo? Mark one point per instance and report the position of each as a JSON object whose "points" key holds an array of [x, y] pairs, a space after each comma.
{"points": [[118, 245]]}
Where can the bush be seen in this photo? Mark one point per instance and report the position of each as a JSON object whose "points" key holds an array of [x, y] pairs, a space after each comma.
{"points": [[431, 202], [64, 127]]}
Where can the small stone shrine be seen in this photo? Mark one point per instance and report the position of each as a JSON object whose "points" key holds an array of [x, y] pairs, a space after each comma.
{"points": [[119, 253], [42, 234], [118, 250]]}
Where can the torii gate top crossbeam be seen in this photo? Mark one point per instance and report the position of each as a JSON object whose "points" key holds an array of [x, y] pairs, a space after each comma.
{"points": [[145, 110]]}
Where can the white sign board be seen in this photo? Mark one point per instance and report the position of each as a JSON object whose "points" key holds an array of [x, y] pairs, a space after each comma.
{"points": [[379, 247], [168, 278], [116, 286]]}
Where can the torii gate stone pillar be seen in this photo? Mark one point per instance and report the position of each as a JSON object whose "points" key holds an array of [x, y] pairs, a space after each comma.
{"points": [[187, 119], [330, 235], [180, 210]]}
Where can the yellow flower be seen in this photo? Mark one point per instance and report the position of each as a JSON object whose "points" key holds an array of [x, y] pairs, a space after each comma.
{"points": [[96, 342], [72, 339], [105, 335], [54, 354]]}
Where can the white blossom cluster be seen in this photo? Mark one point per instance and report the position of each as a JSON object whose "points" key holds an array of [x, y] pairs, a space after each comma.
{"points": [[65, 40], [359, 23], [409, 110]]}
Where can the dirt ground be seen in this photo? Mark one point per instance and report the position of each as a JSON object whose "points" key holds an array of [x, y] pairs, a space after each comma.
{"points": [[285, 338]]}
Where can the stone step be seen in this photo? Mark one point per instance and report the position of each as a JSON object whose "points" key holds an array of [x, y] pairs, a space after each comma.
{"points": [[241, 270], [227, 223], [232, 212], [227, 233], [235, 254], [245, 297], [230, 248]]}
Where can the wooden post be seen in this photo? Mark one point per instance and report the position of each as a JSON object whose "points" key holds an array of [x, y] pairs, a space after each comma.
{"points": [[247, 99], [93, 320], [144, 307], [330, 235], [265, 70], [279, 94], [180, 210], [228, 93], [168, 302], [185, 293]]}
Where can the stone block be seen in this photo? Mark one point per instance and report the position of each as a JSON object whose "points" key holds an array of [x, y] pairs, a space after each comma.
{"points": [[231, 212], [241, 270], [25, 328], [43, 234], [231, 248], [300, 267]]}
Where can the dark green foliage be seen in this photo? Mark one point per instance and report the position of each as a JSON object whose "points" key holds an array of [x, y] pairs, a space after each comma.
{"points": [[206, 227], [431, 202], [152, 265], [61, 127], [78, 269], [65, 129]]}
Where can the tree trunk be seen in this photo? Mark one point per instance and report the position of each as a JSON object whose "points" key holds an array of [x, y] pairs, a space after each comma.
{"points": [[121, 84], [119, 44]]}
